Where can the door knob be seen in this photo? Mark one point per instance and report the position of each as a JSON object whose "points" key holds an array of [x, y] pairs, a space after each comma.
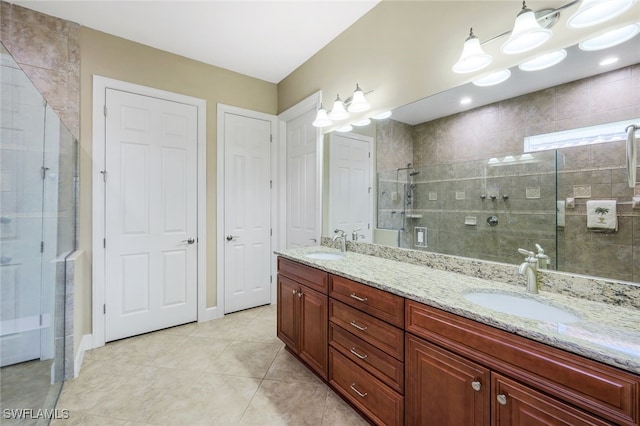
{"points": [[231, 237], [189, 241]]}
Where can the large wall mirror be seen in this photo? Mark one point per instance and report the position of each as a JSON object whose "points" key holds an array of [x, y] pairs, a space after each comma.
{"points": [[456, 179]]}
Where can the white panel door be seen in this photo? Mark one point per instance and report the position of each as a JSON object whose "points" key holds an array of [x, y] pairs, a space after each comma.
{"points": [[151, 214], [247, 212], [302, 184], [350, 185], [21, 189]]}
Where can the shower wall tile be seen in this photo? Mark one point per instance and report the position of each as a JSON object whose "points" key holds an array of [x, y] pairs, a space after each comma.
{"points": [[48, 50], [394, 145]]}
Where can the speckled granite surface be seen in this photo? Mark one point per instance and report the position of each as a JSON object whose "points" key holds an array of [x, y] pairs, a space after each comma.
{"points": [[605, 332]]}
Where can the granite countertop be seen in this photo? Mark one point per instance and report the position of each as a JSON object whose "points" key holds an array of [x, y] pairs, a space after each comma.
{"points": [[603, 332]]}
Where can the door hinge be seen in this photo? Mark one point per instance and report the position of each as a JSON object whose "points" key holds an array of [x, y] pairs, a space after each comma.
{"points": [[41, 246], [104, 308], [104, 243], [368, 226], [105, 110], [41, 320]]}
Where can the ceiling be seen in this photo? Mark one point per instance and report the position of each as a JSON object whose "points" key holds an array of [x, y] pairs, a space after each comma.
{"points": [[265, 39]]}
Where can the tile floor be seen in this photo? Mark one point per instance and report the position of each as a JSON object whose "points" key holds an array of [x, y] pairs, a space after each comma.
{"points": [[230, 371]]}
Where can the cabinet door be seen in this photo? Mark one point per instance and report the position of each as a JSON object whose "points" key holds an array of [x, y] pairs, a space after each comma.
{"points": [[288, 306], [515, 404], [314, 337], [444, 389]]}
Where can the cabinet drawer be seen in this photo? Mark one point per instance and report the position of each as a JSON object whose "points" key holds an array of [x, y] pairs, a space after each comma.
{"points": [[379, 303], [382, 405], [384, 367], [311, 277], [378, 333], [598, 388]]}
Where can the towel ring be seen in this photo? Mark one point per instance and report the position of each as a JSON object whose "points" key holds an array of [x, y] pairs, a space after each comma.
{"points": [[632, 154]]}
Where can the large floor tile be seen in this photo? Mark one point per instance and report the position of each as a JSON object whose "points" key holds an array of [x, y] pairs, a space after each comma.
{"points": [[286, 367], [246, 359]]}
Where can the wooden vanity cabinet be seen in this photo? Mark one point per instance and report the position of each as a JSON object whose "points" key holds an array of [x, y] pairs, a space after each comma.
{"points": [[530, 383], [303, 313]]}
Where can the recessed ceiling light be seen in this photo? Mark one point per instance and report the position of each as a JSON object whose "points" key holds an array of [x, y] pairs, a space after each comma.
{"points": [[544, 61], [493, 78], [465, 101], [609, 61], [611, 38]]}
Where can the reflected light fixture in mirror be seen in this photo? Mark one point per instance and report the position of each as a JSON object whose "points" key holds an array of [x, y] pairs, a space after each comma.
{"points": [[345, 129], [362, 123], [492, 79], [473, 58], [610, 38], [382, 115], [593, 12], [527, 34], [544, 61]]}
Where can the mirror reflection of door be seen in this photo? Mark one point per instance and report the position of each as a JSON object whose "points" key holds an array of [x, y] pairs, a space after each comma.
{"points": [[351, 186]]}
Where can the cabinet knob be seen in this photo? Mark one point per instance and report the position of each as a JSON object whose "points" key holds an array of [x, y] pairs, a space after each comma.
{"points": [[476, 385], [299, 294], [295, 292], [502, 399]]}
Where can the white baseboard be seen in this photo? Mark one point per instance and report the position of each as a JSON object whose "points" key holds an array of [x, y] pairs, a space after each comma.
{"points": [[210, 314], [85, 344]]}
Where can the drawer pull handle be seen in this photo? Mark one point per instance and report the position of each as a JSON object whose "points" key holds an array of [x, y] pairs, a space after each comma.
{"points": [[359, 299], [502, 399], [359, 327], [360, 394], [476, 385], [353, 351]]}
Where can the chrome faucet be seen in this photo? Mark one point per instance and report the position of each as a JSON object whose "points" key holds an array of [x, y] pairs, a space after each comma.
{"points": [[542, 259], [355, 235], [529, 268], [342, 236]]}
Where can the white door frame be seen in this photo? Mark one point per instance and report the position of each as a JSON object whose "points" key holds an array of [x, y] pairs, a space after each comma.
{"points": [[222, 110], [310, 103], [100, 86]]}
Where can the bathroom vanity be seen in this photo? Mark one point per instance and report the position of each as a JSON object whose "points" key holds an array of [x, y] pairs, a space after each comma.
{"points": [[403, 345]]}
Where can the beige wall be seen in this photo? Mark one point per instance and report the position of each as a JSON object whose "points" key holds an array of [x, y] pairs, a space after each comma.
{"points": [[120, 59], [404, 50]]}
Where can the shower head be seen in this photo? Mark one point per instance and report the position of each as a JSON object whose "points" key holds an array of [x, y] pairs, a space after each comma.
{"points": [[414, 172]]}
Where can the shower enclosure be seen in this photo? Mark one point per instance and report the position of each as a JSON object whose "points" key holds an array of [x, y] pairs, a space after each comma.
{"points": [[38, 179]]}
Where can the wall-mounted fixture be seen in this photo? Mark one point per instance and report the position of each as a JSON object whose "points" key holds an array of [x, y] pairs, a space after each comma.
{"points": [[532, 29], [341, 109], [493, 78], [593, 12], [527, 33]]}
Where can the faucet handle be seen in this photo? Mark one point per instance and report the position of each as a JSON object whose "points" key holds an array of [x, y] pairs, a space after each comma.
{"points": [[530, 255], [340, 232]]}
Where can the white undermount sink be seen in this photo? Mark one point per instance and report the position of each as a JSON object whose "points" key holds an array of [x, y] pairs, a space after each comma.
{"points": [[521, 306], [325, 256]]}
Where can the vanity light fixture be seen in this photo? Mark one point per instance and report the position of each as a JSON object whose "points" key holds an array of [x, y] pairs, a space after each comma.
{"points": [[593, 12], [527, 34], [544, 61], [493, 78], [338, 112], [344, 129], [322, 120], [611, 38], [473, 58], [358, 102]]}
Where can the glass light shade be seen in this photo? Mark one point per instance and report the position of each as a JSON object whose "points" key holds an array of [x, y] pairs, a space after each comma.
{"points": [[358, 102], [382, 115], [322, 120], [338, 112], [611, 38], [544, 61], [364, 122], [527, 34], [593, 12], [346, 128], [472, 58], [493, 78]]}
